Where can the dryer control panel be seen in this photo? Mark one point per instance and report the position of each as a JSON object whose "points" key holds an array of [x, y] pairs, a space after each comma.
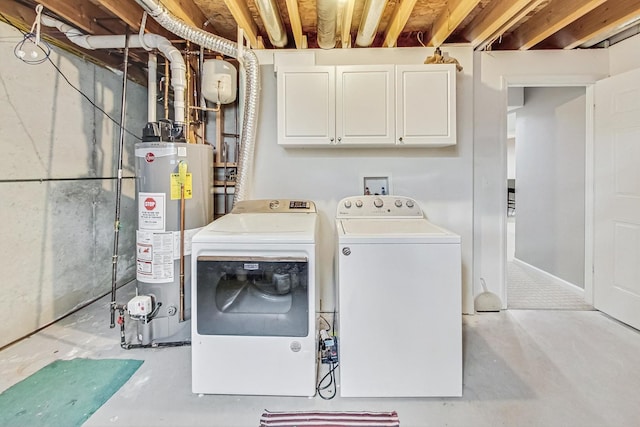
{"points": [[274, 206], [378, 206]]}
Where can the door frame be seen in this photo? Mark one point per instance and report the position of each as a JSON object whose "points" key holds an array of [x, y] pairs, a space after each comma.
{"points": [[588, 83]]}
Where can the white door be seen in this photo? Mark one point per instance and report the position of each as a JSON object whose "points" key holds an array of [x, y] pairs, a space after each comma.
{"points": [[617, 198]]}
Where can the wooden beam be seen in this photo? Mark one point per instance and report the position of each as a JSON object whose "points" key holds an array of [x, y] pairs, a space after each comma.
{"points": [[554, 17], [504, 28], [22, 17], [82, 14], [296, 23], [347, 18], [242, 15], [598, 23], [399, 19], [186, 10], [454, 13], [493, 18], [131, 14]]}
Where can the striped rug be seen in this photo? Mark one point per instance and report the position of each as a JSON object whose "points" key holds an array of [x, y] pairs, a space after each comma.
{"points": [[329, 419]]}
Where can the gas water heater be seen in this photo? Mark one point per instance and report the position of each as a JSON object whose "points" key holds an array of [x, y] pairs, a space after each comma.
{"points": [[174, 182]]}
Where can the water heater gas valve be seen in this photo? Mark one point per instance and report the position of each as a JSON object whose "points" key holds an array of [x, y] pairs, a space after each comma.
{"points": [[140, 306]]}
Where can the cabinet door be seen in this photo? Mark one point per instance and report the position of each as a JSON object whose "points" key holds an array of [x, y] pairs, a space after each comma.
{"points": [[365, 110], [426, 105], [306, 105]]}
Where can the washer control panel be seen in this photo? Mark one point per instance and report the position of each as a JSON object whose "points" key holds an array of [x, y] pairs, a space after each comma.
{"points": [[378, 206]]}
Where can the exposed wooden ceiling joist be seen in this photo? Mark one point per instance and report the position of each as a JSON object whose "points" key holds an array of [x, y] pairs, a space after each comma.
{"points": [[131, 13], [242, 15], [454, 13], [398, 20], [296, 23], [347, 18], [185, 10], [83, 15], [492, 19], [549, 20], [600, 22]]}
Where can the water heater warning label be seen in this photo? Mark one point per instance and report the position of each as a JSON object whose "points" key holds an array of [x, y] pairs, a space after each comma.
{"points": [[176, 185], [151, 211], [154, 258]]}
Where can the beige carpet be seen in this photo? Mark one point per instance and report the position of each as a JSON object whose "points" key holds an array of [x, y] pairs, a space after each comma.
{"points": [[528, 291]]}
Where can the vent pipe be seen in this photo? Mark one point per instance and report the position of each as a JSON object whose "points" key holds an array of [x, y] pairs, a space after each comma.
{"points": [[147, 41], [248, 60], [371, 15], [327, 11], [268, 10]]}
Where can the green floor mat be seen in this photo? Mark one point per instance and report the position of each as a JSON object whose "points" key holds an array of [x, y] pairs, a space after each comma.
{"points": [[65, 392]]}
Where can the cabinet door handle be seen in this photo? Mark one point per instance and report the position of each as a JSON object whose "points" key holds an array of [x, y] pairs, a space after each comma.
{"points": [[331, 139], [400, 139], [339, 138]]}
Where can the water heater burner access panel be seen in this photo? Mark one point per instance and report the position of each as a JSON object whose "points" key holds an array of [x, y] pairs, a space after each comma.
{"points": [[379, 206]]}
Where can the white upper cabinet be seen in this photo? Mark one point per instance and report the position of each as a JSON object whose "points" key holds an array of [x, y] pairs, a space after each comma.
{"points": [[306, 105], [365, 111], [366, 106], [426, 105]]}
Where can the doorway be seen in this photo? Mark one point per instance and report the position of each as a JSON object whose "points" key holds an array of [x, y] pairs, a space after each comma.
{"points": [[547, 191]]}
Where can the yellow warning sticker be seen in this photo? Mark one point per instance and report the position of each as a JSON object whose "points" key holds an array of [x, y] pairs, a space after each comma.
{"points": [[175, 186]]}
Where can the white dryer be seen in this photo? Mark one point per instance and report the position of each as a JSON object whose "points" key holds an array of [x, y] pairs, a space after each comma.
{"points": [[399, 296], [253, 301]]}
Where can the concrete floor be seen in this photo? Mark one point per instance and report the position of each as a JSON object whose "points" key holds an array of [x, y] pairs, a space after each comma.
{"points": [[521, 368]]}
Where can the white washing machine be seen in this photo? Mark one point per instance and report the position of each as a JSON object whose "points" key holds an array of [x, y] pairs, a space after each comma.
{"points": [[253, 301], [399, 296]]}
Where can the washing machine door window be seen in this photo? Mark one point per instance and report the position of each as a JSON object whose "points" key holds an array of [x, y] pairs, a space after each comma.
{"points": [[252, 296]]}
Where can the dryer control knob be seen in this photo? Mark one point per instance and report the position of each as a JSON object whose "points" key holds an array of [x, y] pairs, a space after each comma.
{"points": [[409, 203], [378, 203], [347, 204], [358, 203], [398, 203]]}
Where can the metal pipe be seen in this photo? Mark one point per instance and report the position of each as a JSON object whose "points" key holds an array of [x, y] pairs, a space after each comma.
{"points": [[116, 227]]}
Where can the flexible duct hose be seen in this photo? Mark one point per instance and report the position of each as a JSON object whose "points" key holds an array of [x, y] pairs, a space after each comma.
{"points": [[251, 96]]}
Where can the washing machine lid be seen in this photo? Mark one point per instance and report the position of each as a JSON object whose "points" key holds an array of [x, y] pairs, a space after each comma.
{"points": [[260, 228], [392, 231]]}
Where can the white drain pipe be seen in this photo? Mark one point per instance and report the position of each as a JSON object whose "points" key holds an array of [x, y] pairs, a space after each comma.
{"points": [[147, 41], [248, 60]]}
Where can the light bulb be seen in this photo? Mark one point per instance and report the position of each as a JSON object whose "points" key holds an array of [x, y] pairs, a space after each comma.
{"points": [[21, 54], [33, 54]]}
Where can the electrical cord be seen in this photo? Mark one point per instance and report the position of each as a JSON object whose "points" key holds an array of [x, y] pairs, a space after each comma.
{"points": [[332, 381], [328, 381], [33, 38]]}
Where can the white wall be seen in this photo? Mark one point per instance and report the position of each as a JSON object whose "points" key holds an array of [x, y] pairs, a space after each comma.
{"points": [[440, 179], [624, 55], [57, 235], [493, 72], [550, 184]]}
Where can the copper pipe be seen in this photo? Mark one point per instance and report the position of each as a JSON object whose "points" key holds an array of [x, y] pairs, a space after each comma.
{"points": [[182, 210]]}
